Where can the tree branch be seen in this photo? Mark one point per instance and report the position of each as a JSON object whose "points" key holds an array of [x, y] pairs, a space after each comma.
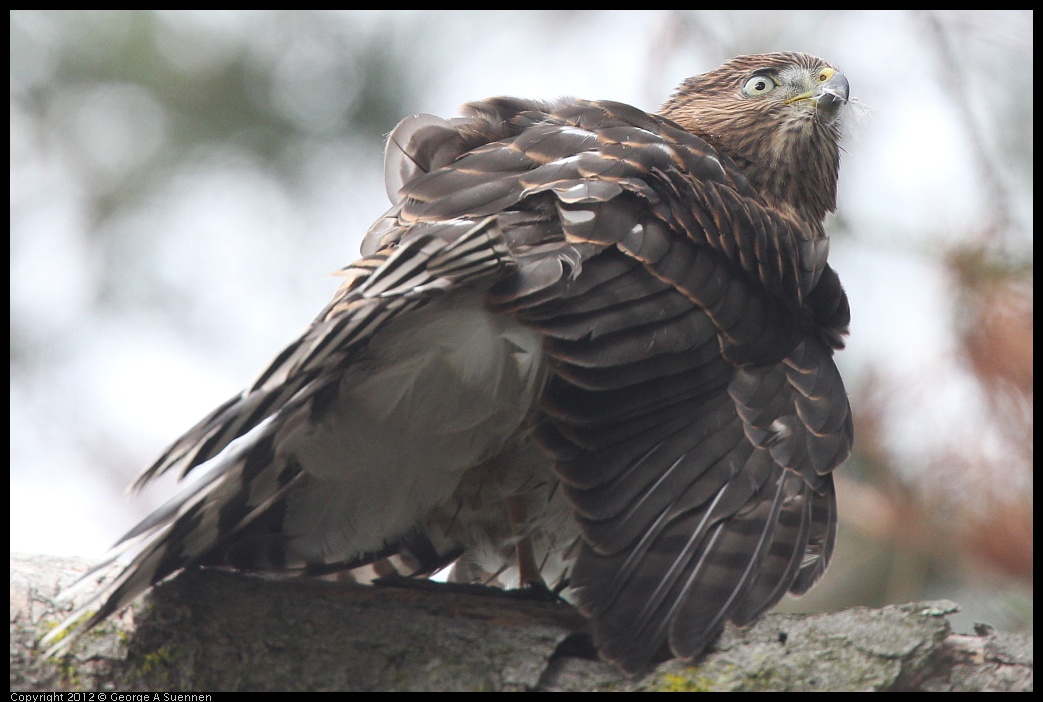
{"points": [[206, 631]]}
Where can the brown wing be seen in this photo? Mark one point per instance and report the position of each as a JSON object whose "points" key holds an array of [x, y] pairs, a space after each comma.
{"points": [[694, 409]]}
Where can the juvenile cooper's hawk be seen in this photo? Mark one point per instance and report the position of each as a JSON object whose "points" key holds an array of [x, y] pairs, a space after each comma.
{"points": [[586, 343]]}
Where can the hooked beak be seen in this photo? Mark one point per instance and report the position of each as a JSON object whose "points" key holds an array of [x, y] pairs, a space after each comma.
{"points": [[828, 96], [834, 92]]}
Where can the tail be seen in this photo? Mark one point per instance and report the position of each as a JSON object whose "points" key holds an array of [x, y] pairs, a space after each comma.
{"points": [[266, 463]]}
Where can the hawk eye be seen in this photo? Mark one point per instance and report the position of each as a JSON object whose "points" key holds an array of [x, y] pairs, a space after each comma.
{"points": [[758, 85]]}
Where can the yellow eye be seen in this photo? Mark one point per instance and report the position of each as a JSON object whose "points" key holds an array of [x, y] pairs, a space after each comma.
{"points": [[825, 74], [758, 85]]}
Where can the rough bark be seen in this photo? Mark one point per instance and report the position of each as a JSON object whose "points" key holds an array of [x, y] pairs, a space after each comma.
{"points": [[212, 631]]}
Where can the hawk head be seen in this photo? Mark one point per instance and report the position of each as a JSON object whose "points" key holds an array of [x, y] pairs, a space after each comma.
{"points": [[775, 115]]}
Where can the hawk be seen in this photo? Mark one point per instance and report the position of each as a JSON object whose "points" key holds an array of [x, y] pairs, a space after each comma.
{"points": [[587, 346]]}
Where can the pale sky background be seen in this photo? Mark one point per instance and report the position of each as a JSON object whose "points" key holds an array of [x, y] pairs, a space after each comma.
{"points": [[158, 263]]}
